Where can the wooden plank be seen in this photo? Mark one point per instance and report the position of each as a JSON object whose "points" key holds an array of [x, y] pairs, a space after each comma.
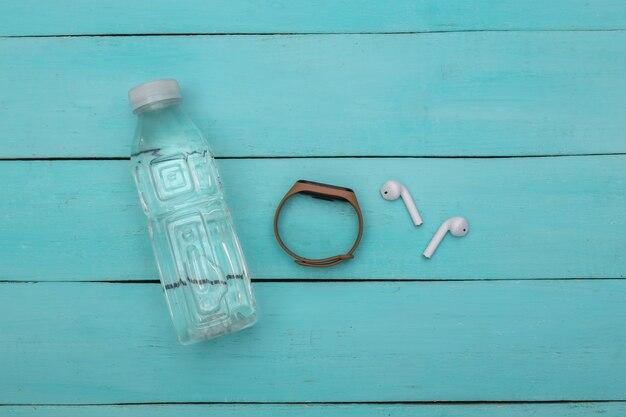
{"points": [[513, 93], [30, 17], [314, 410], [530, 218], [90, 343]]}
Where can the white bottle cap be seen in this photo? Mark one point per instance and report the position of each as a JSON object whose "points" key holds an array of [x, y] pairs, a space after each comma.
{"points": [[152, 92]]}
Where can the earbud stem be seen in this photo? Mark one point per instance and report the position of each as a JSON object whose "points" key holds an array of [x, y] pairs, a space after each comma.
{"points": [[436, 240], [410, 206]]}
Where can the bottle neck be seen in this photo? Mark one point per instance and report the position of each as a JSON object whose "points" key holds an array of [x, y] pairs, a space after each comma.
{"points": [[157, 105]]}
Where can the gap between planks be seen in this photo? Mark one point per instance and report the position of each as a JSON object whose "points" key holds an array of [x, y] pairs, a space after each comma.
{"points": [[476, 402], [425, 32], [123, 158], [321, 280]]}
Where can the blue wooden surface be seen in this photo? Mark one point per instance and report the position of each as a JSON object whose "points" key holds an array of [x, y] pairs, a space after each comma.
{"points": [[538, 81], [533, 217], [313, 410], [72, 17], [89, 343], [485, 93]]}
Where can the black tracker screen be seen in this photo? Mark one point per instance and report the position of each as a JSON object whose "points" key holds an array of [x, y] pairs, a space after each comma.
{"points": [[324, 196]]}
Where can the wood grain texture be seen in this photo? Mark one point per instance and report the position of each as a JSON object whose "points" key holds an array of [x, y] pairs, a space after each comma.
{"points": [[71, 17], [504, 93], [530, 218], [96, 343], [311, 410], [496, 78]]}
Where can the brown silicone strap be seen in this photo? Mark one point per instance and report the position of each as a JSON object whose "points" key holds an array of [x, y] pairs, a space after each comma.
{"points": [[322, 191]]}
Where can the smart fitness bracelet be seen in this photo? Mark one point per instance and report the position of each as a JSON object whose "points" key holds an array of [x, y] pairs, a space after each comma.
{"points": [[323, 192]]}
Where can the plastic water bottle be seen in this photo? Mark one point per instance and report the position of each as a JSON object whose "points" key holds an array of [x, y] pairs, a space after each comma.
{"points": [[202, 267]]}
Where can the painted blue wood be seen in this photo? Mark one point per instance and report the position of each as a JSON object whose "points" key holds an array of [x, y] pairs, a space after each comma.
{"points": [[92, 343], [505, 93], [313, 410], [530, 218], [30, 17], [513, 93]]}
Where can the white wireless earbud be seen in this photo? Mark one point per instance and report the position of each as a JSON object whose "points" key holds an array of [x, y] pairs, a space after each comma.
{"points": [[392, 190], [457, 226]]}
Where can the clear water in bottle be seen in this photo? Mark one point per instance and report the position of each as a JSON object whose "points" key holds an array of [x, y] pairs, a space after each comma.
{"points": [[202, 267]]}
